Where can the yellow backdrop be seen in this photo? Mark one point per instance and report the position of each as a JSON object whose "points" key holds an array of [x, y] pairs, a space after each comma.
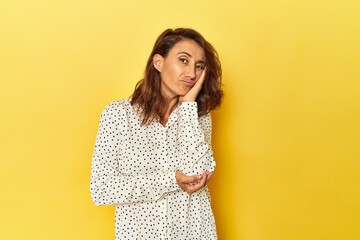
{"points": [[286, 139]]}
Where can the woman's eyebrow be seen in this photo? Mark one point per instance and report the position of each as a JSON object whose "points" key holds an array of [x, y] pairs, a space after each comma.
{"points": [[200, 61]]}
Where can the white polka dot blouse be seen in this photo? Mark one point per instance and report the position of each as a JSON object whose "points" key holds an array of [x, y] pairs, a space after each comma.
{"points": [[133, 167]]}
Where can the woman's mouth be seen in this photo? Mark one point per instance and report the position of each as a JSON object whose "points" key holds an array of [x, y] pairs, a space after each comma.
{"points": [[188, 83]]}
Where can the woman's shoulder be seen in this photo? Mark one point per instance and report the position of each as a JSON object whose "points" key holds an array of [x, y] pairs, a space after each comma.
{"points": [[118, 105]]}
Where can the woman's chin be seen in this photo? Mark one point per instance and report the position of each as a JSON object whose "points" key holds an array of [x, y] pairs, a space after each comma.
{"points": [[184, 89]]}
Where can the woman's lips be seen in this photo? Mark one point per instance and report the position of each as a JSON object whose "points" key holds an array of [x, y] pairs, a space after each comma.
{"points": [[188, 83]]}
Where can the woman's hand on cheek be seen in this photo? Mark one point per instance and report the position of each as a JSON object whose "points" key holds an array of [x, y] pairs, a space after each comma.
{"points": [[191, 95]]}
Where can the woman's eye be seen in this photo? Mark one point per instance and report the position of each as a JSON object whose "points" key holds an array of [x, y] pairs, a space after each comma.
{"points": [[183, 59]]}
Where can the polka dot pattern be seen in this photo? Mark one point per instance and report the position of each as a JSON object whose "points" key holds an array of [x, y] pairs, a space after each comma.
{"points": [[133, 167]]}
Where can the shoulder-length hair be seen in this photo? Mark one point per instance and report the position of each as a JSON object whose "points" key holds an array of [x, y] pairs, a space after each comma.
{"points": [[147, 94]]}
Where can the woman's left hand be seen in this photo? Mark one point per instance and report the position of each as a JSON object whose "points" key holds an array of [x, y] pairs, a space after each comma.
{"points": [[208, 177], [191, 95]]}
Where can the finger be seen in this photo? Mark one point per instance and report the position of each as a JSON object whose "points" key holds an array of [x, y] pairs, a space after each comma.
{"points": [[194, 90], [199, 82], [203, 180], [209, 176], [198, 185], [191, 179], [193, 186], [202, 77]]}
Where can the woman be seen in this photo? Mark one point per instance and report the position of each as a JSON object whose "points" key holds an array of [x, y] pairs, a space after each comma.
{"points": [[152, 157]]}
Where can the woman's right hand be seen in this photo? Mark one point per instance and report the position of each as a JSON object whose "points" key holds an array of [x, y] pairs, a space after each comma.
{"points": [[192, 183]]}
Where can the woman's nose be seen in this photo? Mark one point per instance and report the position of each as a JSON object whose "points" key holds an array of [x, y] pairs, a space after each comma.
{"points": [[191, 72]]}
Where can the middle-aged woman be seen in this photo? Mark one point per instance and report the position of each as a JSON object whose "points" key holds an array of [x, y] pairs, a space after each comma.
{"points": [[153, 157]]}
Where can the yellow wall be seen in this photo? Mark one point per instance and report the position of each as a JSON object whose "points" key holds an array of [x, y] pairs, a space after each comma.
{"points": [[286, 140]]}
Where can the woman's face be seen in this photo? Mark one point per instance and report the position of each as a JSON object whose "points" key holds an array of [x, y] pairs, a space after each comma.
{"points": [[181, 69]]}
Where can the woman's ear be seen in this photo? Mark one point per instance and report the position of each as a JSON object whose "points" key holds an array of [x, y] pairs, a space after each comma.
{"points": [[158, 62]]}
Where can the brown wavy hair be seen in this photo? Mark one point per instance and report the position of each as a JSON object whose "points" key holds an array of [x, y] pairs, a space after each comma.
{"points": [[147, 94]]}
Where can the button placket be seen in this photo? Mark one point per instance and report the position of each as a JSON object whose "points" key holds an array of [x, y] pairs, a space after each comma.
{"points": [[164, 149], [163, 225]]}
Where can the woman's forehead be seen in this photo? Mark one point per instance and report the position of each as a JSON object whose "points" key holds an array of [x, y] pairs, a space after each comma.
{"points": [[189, 48]]}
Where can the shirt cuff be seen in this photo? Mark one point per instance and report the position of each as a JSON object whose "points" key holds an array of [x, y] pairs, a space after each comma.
{"points": [[189, 109], [171, 183], [189, 119]]}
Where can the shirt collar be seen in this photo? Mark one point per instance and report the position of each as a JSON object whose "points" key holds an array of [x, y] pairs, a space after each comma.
{"points": [[173, 117]]}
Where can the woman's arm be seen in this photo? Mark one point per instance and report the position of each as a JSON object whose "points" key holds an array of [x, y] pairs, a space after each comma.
{"points": [[194, 139], [107, 185]]}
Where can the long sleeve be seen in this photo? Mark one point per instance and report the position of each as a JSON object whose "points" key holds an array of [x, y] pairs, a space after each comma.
{"points": [[107, 185], [194, 140]]}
